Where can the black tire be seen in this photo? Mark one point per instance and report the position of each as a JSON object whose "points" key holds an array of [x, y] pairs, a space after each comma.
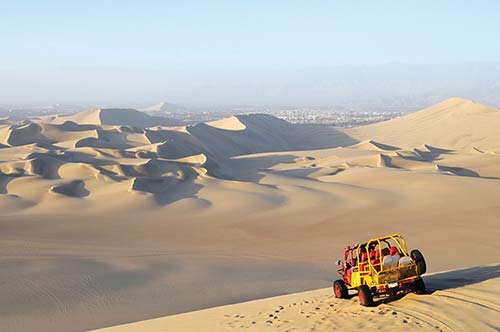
{"points": [[365, 296], [419, 286], [340, 289], [419, 259]]}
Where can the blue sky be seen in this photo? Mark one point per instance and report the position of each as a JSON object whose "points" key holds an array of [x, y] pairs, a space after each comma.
{"points": [[197, 36]]}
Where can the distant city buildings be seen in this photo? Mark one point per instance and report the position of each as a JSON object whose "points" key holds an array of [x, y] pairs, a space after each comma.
{"points": [[336, 116], [302, 115]]}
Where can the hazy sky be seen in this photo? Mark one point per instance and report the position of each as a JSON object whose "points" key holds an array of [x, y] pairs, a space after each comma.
{"points": [[139, 51]]}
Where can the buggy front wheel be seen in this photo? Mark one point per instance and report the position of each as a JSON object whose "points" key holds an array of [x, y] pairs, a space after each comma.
{"points": [[340, 289]]}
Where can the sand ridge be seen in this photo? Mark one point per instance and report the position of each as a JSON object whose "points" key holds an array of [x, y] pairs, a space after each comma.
{"points": [[117, 145], [455, 123]]}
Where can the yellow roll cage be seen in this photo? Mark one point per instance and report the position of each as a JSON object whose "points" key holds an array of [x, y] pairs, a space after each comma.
{"points": [[373, 275]]}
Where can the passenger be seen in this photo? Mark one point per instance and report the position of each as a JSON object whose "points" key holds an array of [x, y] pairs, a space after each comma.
{"points": [[364, 259], [395, 256], [375, 259], [390, 258], [404, 261], [363, 255], [349, 275], [387, 262], [395, 252], [373, 255]]}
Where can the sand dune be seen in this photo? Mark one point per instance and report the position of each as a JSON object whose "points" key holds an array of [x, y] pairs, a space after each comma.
{"points": [[117, 116], [117, 145], [475, 291], [231, 123], [454, 123], [112, 216], [164, 107], [373, 145]]}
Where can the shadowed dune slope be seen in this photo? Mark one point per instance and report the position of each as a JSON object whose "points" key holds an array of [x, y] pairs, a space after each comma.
{"points": [[117, 116]]}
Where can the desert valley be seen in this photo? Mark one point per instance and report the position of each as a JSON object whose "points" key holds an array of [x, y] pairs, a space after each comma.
{"points": [[113, 216]]}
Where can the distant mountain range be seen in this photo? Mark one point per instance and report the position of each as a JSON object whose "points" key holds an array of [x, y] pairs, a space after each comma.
{"points": [[388, 85]]}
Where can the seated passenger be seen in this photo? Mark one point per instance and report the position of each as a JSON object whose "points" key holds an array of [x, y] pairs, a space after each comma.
{"points": [[404, 261], [386, 259], [387, 262], [349, 275], [375, 259], [373, 255], [364, 259], [395, 256]]}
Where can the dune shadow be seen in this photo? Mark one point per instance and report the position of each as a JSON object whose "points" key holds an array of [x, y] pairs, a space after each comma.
{"points": [[248, 169], [75, 127], [75, 188], [386, 161], [461, 171], [461, 278], [452, 279], [167, 189], [176, 194], [428, 153], [4, 181]]}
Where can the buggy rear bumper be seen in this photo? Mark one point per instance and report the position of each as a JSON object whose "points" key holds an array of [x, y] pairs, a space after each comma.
{"points": [[397, 274]]}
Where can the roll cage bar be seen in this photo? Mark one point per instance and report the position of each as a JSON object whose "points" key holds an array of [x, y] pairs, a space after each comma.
{"points": [[356, 250]]}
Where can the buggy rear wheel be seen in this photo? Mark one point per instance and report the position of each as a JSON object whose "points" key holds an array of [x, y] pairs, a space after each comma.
{"points": [[340, 289], [419, 260], [365, 296], [419, 286]]}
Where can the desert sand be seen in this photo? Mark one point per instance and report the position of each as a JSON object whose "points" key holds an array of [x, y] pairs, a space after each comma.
{"points": [[112, 216], [474, 291]]}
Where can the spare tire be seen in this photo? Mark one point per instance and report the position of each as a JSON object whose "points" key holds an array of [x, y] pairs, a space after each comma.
{"points": [[417, 256]]}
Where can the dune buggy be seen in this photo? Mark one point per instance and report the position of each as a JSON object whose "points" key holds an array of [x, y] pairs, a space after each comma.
{"points": [[380, 267]]}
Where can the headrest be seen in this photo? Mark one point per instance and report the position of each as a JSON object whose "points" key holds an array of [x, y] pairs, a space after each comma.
{"points": [[394, 251]]}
